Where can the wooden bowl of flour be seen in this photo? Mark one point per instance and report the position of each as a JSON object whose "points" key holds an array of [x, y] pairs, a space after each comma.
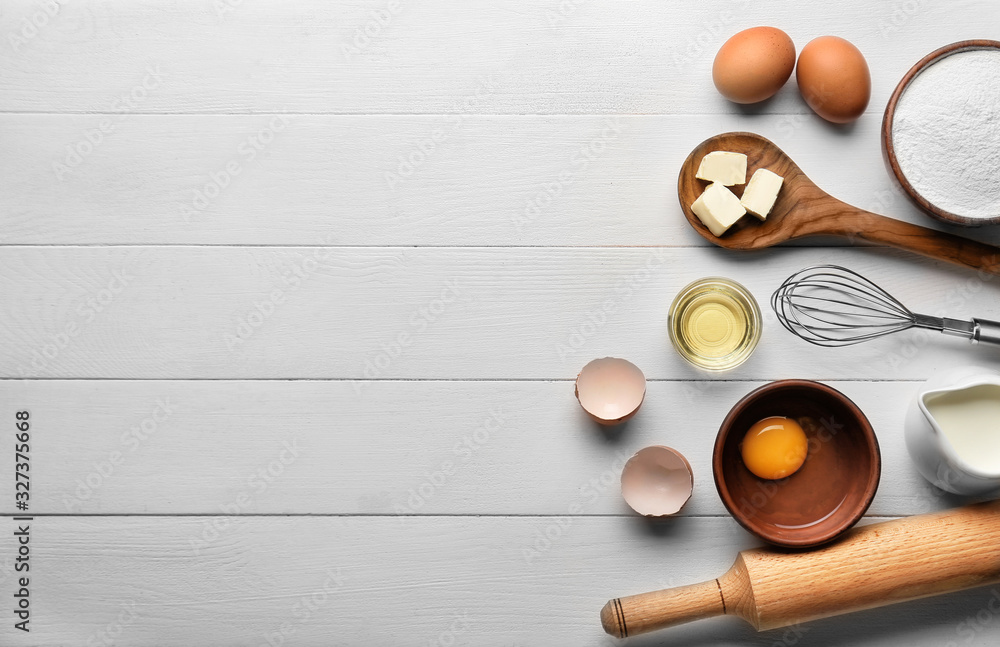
{"points": [[940, 137]]}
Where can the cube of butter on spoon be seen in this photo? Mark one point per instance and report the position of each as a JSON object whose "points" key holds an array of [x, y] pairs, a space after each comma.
{"points": [[761, 192], [718, 208], [723, 167]]}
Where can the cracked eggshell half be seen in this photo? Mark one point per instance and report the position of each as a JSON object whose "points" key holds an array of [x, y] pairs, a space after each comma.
{"points": [[610, 390], [657, 481]]}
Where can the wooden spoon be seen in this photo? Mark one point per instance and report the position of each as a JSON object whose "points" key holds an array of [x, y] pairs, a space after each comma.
{"points": [[803, 209]]}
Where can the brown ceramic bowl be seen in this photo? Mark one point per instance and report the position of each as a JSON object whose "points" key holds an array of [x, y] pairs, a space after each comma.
{"points": [[832, 489], [889, 153]]}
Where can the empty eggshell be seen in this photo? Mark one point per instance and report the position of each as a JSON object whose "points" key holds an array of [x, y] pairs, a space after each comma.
{"points": [[610, 390], [657, 481]]}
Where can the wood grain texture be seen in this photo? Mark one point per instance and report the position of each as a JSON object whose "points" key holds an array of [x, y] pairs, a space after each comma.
{"points": [[433, 581], [638, 614], [430, 57], [803, 210], [886, 563], [240, 197], [429, 313], [367, 180], [410, 447]]}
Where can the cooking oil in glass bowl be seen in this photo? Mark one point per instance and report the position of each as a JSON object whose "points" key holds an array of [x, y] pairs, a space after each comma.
{"points": [[714, 323]]}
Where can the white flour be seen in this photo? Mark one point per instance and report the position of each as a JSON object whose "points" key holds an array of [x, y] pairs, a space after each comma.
{"points": [[946, 133]]}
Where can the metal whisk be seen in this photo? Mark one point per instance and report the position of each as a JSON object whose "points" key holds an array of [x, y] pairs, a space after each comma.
{"points": [[829, 305]]}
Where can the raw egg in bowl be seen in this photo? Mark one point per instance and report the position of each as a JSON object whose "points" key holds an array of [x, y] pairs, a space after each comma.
{"points": [[796, 463]]}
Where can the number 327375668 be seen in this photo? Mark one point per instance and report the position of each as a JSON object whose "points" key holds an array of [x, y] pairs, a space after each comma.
{"points": [[22, 460]]}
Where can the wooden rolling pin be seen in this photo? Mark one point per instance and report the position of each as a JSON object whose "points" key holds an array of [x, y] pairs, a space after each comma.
{"points": [[871, 566]]}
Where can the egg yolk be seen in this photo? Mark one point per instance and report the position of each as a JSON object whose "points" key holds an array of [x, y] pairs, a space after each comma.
{"points": [[775, 448]]}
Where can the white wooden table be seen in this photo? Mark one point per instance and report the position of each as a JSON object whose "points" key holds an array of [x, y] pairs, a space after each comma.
{"points": [[295, 294]]}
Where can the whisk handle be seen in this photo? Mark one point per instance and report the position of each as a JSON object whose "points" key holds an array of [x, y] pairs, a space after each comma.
{"points": [[986, 332]]}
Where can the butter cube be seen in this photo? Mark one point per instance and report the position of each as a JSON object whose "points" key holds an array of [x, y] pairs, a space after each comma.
{"points": [[718, 208], [723, 167], [761, 192]]}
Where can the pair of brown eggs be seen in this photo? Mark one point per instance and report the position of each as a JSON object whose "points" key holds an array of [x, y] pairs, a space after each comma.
{"points": [[832, 74]]}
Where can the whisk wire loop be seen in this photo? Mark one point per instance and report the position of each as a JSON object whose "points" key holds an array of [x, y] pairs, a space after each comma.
{"points": [[830, 305]]}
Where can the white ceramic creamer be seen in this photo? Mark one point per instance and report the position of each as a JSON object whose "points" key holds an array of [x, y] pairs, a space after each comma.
{"points": [[953, 431]]}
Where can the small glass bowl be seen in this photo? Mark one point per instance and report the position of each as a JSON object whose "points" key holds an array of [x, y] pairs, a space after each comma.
{"points": [[714, 323]]}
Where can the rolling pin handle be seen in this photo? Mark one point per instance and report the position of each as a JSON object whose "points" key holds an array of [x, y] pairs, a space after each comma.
{"points": [[636, 614]]}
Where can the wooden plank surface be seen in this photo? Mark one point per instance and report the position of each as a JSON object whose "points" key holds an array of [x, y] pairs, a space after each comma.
{"points": [[383, 448], [394, 179], [431, 313], [438, 581], [435, 57], [255, 314]]}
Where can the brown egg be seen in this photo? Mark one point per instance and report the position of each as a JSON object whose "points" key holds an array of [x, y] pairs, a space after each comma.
{"points": [[610, 390], [753, 64], [657, 481], [834, 80]]}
